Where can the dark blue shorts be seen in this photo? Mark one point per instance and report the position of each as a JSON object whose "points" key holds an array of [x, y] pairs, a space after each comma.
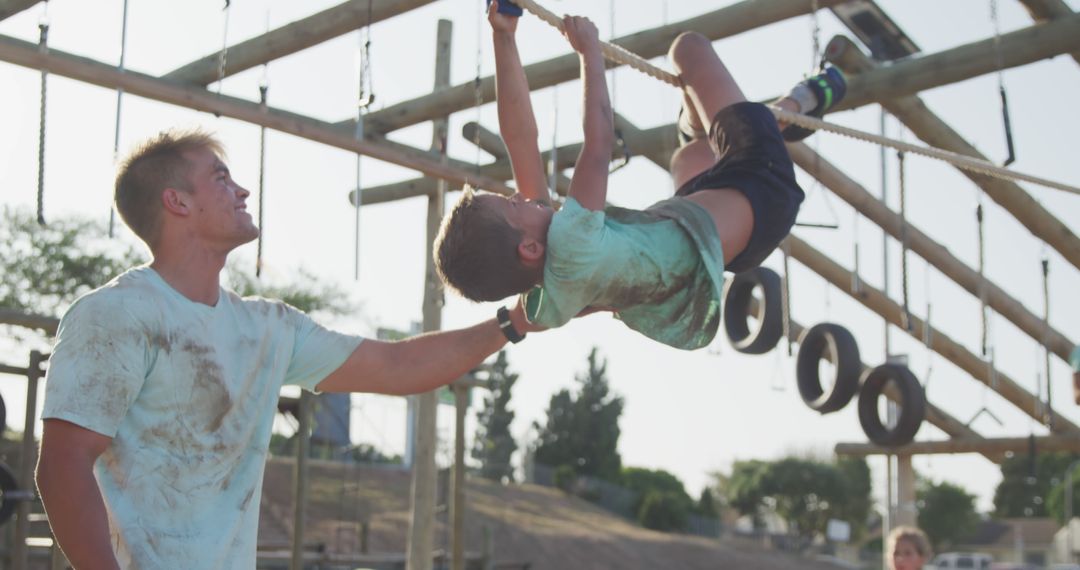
{"points": [[754, 161]]}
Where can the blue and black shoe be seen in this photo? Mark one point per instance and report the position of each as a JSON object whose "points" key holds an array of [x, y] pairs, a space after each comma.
{"points": [[829, 86]]}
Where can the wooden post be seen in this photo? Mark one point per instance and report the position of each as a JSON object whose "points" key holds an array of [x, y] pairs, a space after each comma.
{"points": [[28, 453], [27, 54], [1043, 10], [9, 8], [998, 446], [718, 24], [422, 524], [941, 343], [293, 37], [300, 479], [933, 252], [457, 497], [29, 320], [906, 509], [933, 131]]}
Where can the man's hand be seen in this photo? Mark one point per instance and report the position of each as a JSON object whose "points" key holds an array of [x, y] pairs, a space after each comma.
{"points": [[501, 22], [582, 34]]}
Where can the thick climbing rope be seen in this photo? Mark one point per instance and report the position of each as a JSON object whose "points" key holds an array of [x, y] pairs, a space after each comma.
{"points": [[119, 101], [223, 54], [906, 316], [43, 47], [622, 56]]}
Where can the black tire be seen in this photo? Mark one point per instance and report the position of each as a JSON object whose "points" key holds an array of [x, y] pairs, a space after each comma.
{"points": [[737, 309], [8, 485], [912, 405], [836, 342]]}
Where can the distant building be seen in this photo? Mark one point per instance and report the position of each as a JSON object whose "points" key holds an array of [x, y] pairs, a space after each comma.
{"points": [[1016, 540]]}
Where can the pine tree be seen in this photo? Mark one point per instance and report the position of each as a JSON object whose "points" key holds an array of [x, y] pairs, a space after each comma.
{"points": [[582, 431], [493, 445]]}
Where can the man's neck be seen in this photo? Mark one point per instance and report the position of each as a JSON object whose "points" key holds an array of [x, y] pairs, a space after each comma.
{"points": [[194, 273]]}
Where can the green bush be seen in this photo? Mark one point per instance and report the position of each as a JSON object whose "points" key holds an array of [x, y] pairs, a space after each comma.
{"points": [[565, 477], [663, 511]]}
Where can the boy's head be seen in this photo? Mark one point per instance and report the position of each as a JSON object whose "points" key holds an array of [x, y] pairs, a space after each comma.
{"points": [[491, 247]]}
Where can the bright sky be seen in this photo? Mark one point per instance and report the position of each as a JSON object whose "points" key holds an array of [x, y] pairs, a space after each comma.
{"points": [[687, 412]]}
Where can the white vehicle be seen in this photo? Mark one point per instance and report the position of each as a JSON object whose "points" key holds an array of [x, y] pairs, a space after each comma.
{"points": [[951, 560]]}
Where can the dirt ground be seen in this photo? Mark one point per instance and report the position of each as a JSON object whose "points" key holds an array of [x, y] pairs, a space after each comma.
{"points": [[540, 526]]}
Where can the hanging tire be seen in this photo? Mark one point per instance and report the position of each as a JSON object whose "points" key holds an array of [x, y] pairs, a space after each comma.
{"points": [[9, 488], [912, 405], [834, 342], [737, 302]]}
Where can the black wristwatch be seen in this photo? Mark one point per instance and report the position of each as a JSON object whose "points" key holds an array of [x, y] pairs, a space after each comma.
{"points": [[507, 327]]}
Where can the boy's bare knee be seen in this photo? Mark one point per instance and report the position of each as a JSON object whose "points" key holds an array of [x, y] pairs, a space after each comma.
{"points": [[686, 48]]}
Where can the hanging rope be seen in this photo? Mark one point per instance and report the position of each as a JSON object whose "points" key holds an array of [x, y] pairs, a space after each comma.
{"points": [[621, 56], [927, 336], [365, 97], [478, 99], [999, 59], [906, 316], [816, 58], [119, 100], [264, 88], [1048, 419], [43, 47], [982, 273], [223, 54]]}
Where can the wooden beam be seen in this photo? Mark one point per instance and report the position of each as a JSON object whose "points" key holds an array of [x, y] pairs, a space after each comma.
{"points": [[9, 8], [907, 77], [29, 320], [291, 38], [933, 252], [933, 131], [941, 343], [491, 143], [1016, 445], [722, 23], [27, 54], [1044, 10], [934, 415]]}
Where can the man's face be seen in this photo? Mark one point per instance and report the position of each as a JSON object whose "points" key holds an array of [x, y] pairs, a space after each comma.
{"points": [[219, 208], [532, 218]]}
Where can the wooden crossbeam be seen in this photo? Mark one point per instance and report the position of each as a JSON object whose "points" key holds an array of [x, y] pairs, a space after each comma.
{"points": [[1020, 47], [941, 343], [9, 8], [725, 22], [29, 320], [934, 253], [291, 38], [1016, 445], [26, 54], [1044, 10], [935, 132]]}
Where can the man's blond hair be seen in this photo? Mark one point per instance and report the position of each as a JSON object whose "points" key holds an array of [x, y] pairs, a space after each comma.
{"points": [[154, 165]]}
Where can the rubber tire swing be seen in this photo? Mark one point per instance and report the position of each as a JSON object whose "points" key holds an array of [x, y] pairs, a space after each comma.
{"points": [[737, 304], [837, 345], [912, 405]]}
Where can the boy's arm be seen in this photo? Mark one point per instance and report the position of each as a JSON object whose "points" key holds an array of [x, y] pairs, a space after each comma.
{"points": [[517, 125], [589, 183]]}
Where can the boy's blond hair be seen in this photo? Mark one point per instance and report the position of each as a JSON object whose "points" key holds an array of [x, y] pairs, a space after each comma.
{"points": [[914, 536], [156, 164], [476, 253]]}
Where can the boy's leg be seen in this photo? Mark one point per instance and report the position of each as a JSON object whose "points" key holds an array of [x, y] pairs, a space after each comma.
{"points": [[709, 87]]}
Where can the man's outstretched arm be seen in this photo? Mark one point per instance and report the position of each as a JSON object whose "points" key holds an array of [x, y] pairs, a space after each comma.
{"points": [[517, 124]]}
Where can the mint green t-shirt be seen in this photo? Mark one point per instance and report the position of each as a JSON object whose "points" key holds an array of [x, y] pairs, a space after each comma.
{"points": [[660, 270], [188, 393], [1074, 358]]}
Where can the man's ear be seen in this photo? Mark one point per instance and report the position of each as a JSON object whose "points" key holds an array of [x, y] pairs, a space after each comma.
{"points": [[530, 251], [175, 201]]}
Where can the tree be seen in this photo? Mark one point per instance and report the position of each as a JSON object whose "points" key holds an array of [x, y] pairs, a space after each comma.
{"points": [[662, 501], [494, 445], [1055, 501], [946, 512], [804, 492], [582, 431], [706, 505], [1026, 485]]}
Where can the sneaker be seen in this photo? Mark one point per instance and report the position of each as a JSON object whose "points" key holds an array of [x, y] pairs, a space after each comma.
{"points": [[829, 86]]}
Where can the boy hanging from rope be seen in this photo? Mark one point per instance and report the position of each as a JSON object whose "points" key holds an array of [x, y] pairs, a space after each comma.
{"points": [[660, 270]]}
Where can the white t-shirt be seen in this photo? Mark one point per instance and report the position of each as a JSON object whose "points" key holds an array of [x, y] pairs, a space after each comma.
{"points": [[188, 393]]}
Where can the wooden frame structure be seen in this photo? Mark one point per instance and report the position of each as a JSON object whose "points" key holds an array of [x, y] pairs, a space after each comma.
{"points": [[1056, 31]]}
